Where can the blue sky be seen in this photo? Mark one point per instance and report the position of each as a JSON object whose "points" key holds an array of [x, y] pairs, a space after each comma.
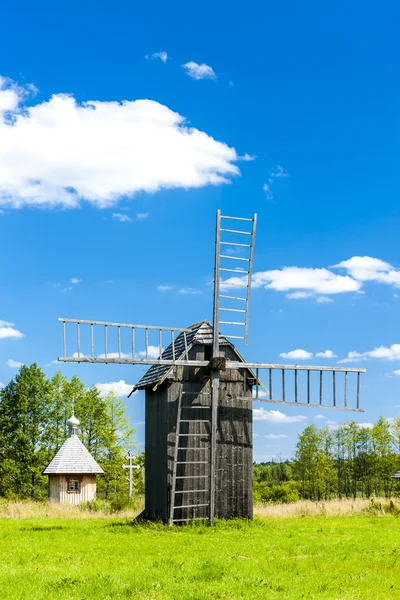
{"points": [[288, 110]]}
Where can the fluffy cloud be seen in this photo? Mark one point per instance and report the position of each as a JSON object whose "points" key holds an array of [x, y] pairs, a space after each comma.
{"points": [[7, 330], [308, 282], [326, 354], [61, 152], [366, 268], [319, 417], [75, 280], [164, 288], [13, 364], [196, 71], [142, 216], [299, 295], [190, 291], [324, 299], [163, 56], [275, 416], [396, 372], [111, 355], [319, 281], [120, 388], [298, 354], [152, 352], [382, 352], [275, 436], [276, 173], [121, 217]]}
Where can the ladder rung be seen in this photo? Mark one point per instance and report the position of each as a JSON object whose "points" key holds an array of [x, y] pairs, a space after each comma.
{"points": [[235, 244], [193, 449], [232, 298], [237, 218], [196, 406], [236, 231], [192, 462], [234, 257], [195, 420], [233, 309], [190, 519], [231, 323], [192, 476], [191, 491], [234, 270], [191, 506], [193, 434]]}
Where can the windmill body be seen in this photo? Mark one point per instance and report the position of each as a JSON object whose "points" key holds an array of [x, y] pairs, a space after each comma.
{"points": [[178, 435]]}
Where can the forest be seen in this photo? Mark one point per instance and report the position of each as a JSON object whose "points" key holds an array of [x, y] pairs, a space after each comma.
{"points": [[347, 461]]}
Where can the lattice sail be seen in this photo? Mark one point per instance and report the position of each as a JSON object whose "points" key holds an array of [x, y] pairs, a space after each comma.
{"points": [[233, 247]]}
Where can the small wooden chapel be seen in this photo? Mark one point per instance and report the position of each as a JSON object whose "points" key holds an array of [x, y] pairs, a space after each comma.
{"points": [[73, 470]]}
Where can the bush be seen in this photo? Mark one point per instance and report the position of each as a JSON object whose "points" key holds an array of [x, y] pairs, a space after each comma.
{"points": [[383, 508], [276, 494]]}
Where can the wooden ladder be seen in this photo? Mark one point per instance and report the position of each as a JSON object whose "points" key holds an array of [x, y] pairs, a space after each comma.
{"points": [[203, 489]]}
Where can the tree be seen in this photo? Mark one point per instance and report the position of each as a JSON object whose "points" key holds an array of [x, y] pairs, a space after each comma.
{"points": [[24, 415]]}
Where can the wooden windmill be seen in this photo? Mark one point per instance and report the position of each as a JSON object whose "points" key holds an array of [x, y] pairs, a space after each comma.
{"points": [[199, 391]]}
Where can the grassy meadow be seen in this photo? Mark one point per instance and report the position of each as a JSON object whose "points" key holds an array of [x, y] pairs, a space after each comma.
{"points": [[303, 551]]}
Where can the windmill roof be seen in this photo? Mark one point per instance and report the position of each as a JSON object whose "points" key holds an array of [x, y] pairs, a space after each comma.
{"points": [[73, 457], [198, 333]]}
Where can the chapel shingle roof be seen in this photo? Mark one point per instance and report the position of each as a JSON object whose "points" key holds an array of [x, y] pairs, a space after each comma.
{"points": [[73, 457]]}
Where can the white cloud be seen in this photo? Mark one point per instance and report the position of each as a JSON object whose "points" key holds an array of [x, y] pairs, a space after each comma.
{"points": [[7, 330], [14, 364], [324, 299], [190, 291], [163, 56], [152, 352], [326, 354], [142, 216], [113, 355], [2, 385], [277, 173], [75, 280], [196, 71], [275, 416], [268, 192], [275, 436], [319, 417], [366, 268], [382, 352], [396, 372], [120, 388], [366, 425], [164, 288], [262, 394], [60, 152], [121, 217], [299, 295], [298, 354], [320, 281]]}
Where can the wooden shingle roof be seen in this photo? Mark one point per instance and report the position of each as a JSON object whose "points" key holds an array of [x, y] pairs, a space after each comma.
{"points": [[73, 458], [199, 333]]}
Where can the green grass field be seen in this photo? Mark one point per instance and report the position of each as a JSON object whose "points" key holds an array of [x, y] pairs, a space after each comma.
{"points": [[335, 557]]}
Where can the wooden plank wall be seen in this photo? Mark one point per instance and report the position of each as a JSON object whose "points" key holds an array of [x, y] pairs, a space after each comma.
{"points": [[58, 489], [234, 443]]}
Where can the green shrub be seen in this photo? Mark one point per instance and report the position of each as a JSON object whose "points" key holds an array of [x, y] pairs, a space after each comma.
{"points": [[276, 494]]}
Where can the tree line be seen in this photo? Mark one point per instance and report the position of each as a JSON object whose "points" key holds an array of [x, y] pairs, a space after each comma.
{"points": [[33, 415], [349, 461]]}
